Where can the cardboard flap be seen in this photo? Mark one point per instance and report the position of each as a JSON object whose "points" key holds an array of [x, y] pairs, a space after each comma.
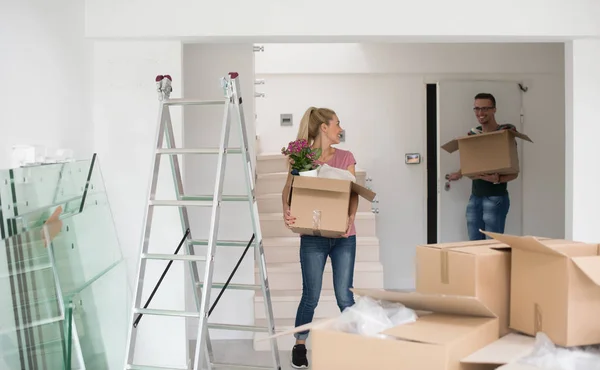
{"points": [[521, 136], [590, 266], [451, 146], [517, 366], [439, 303], [363, 192], [452, 245], [321, 184], [505, 350], [526, 243]]}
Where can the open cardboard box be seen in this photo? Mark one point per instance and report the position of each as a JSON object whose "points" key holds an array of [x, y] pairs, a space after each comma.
{"points": [[456, 327], [555, 288], [489, 152], [320, 205], [504, 353], [478, 269]]}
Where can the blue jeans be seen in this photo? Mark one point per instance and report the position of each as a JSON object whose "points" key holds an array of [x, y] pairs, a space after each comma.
{"points": [[313, 255], [486, 213]]}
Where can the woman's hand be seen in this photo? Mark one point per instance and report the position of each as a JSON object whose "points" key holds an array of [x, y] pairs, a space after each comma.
{"points": [[350, 222], [288, 219]]}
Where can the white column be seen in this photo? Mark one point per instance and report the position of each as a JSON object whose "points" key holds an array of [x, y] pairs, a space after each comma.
{"points": [[582, 147]]}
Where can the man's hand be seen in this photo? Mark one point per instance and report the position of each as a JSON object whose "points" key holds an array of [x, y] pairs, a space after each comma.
{"points": [[493, 178], [454, 176], [350, 222]]}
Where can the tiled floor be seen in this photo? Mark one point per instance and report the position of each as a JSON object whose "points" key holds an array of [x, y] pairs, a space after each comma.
{"points": [[241, 352]]}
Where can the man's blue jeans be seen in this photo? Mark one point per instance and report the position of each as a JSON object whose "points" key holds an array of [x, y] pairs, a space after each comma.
{"points": [[313, 255], [486, 213]]}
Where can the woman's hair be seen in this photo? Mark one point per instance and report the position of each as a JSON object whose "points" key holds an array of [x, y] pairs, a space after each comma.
{"points": [[311, 121]]}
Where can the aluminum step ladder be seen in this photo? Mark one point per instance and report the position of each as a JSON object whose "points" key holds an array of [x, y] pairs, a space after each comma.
{"points": [[233, 112]]}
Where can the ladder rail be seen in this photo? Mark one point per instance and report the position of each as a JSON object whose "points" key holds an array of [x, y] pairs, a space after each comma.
{"points": [[258, 246], [147, 225], [212, 236]]}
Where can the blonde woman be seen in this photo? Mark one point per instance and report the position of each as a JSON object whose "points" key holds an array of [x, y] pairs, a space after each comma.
{"points": [[321, 128]]}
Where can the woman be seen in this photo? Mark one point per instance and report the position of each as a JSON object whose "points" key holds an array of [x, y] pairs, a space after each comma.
{"points": [[321, 128]]}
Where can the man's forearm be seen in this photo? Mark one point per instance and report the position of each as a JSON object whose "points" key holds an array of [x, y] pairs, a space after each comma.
{"points": [[508, 178]]}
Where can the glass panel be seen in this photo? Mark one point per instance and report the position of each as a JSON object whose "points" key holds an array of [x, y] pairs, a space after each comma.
{"points": [[31, 313], [69, 299]]}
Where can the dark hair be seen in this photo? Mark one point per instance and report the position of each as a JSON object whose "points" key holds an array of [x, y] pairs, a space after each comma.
{"points": [[487, 96]]}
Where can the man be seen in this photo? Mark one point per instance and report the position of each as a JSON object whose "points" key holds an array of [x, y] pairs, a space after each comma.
{"points": [[489, 202]]}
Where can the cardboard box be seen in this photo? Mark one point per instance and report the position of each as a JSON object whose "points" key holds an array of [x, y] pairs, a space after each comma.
{"points": [[490, 152], [555, 289], [504, 353], [478, 269], [457, 327], [320, 205]]}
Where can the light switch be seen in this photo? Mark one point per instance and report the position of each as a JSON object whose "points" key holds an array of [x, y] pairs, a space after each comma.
{"points": [[286, 119]]}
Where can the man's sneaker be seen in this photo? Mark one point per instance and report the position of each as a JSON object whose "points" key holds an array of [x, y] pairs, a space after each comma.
{"points": [[299, 360]]}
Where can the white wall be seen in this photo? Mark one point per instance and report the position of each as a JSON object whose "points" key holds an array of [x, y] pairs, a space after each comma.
{"points": [[44, 59], [125, 113], [582, 58], [378, 92], [203, 66], [334, 20]]}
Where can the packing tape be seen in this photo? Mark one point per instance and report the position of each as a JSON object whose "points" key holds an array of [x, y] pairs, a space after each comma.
{"points": [[537, 318], [316, 222], [444, 266]]}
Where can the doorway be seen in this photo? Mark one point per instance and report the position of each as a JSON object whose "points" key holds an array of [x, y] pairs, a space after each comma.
{"points": [[449, 115]]}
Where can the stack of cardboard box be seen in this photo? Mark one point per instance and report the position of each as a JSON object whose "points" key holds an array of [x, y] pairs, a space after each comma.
{"points": [[481, 302]]}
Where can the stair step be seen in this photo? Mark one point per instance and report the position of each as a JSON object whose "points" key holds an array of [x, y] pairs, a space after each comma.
{"points": [[285, 304], [271, 162], [288, 276], [287, 249], [272, 225], [273, 183], [271, 203]]}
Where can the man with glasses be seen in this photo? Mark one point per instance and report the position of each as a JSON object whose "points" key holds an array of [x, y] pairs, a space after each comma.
{"points": [[489, 201]]}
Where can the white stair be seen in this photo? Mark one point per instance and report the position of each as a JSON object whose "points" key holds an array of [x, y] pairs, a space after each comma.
{"points": [[271, 203], [287, 249], [272, 225], [288, 276], [282, 251], [271, 183]]}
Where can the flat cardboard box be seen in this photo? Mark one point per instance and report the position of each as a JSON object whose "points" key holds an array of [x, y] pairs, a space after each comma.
{"points": [[504, 353], [490, 152], [478, 269], [320, 205], [457, 327], [555, 289]]}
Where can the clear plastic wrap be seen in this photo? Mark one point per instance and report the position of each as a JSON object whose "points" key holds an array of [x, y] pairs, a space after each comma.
{"points": [[547, 356], [370, 317]]}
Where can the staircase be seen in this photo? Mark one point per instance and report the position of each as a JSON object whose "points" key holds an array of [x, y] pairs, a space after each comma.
{"points": [[282, 254]]}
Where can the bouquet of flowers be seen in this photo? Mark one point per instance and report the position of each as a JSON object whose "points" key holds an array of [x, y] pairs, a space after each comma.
{"points": [[301, 156]]}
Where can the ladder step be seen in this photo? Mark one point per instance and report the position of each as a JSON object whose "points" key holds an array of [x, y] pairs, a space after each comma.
{"points": [[224, 198], [253, 328], [219, 365], [144, 367], [193, 102], [234, 286], [174, 151], [173, 257], [221, 243], [181, 203], [174, 313]]}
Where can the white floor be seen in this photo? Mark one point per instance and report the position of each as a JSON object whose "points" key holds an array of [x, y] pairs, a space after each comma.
{"points": [[242, 352]]}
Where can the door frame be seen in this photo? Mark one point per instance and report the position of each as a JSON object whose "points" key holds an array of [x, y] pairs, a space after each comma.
{"points": [[433, 220]]}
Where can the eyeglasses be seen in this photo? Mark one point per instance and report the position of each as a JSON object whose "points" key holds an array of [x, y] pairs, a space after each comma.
{"points": [[482, 109]]}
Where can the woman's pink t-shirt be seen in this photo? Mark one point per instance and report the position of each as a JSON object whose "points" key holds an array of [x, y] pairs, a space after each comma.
{"points": [[342, 159]]}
